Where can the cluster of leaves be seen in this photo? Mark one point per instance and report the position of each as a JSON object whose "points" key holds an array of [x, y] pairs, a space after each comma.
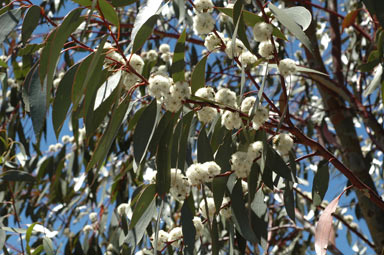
{"points": [[120, 135]]}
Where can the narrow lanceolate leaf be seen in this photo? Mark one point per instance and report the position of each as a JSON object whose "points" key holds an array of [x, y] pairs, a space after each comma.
{"points": [[320, 183], [349, 19], [289, 22], [145, 199], [277, 164], [376, 81], [17, 176], [62, 100], [163, 161], [198, 75], [183, 142], [54, 43], [289, 200], [178, 63], [2, 238], [188, 229], [31, 20], [108, 12], [105, 142], [48, 246], [239, 213], [300, 15], [144, 32], [8, 22], [324, 226], [143, 131], [204, 150], [121, 3], [240, 25], [35, 97]]}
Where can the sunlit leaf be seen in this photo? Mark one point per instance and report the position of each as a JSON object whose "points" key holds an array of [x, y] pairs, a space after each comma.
{"points": [[198, 75]]}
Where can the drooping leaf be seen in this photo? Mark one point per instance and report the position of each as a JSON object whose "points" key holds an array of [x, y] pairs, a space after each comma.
{"points": [[31, 20], [188, 229], [145, 199], [300, 15], [105, 142], [35, 98], [178, 62], [238, 214], [3, 236], [183, 142], [121, 3], [204, 150], [277, 164], [289, 200], [107, 88], [320, 183], [109, 12], [259, 207], [376, 81], [159, 131], [8, 22], [62, 100], [17, 176], [215, 237], [239, 25], [48, 246], [29, 49], [349, 19], [144, 130], [289, 22], [198, 75]]}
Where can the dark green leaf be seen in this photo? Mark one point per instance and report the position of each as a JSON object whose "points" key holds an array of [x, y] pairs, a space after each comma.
{"points": [[121, 3], [29, 49], [183, 142], [144, 32], [17, 176], [239, 213], [289, 200], [277, 164], [108, 12], [31, 20], [240, 25], [54, 43], [159, 131], [3, 236], [188, 229], [320, 183], [35, 97], [143, 131], [289, 22], [105, 142], [267, 177], [198, 75], [178, 63], [204, 150], [215, 237], [8, 22], [62, 100], [143, 202]]}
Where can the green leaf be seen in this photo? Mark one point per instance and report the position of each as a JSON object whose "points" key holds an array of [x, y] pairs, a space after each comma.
{"points": [[320, 183], [300, 15], [376, 81], [48, 246], [215, 237], [178, 63], [204, 150], [143, 202], [144, 32], [188, 229], [143, 131], [62, 100], [28, 237], [198, 75], [159, 131], [3, 236], [54, 43], [31, 20], [8, 22], [163, 161], [35, 97], [29, 49], [105, 142], [183, 142], [239, 213], [277, 164], [289, 22], [108, 11], [240, 25], [289, 200], [259, 207], [121, 3]]}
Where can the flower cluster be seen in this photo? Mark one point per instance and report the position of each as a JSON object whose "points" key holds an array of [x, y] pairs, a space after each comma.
{"points": [[129, 79], [198, 173], [166, 54], [283, 143], [206, 114], [262, 31], [211, 208], [287, 67], [241, 161], [261, 114], [212, 41], [203, 22], [180, 186]]}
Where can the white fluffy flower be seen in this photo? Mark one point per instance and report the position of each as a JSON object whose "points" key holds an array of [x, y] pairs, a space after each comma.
{"points": [[181, 89], [212, 41], [112, 55], [198, 226], [266, 49], [226, 96], [247, 58], [172, 103], [174, 236], [203, 5], [247, 104], [261, 116], [162, 238], [87, 228], [164, 48], [283, 143], [287, 67], [225, 209], [152, 55], [241, 164], [93, 217], [212, 169], [122, 209], [159, 86], [206, 92], [137, 63], [231, 120], [255, 149], [262, 31], [167, 57], [203, 23], [67, 139], [206, 114], [239, 48], [196, 174], [211, 208], [180, 186], [129, 79]]}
